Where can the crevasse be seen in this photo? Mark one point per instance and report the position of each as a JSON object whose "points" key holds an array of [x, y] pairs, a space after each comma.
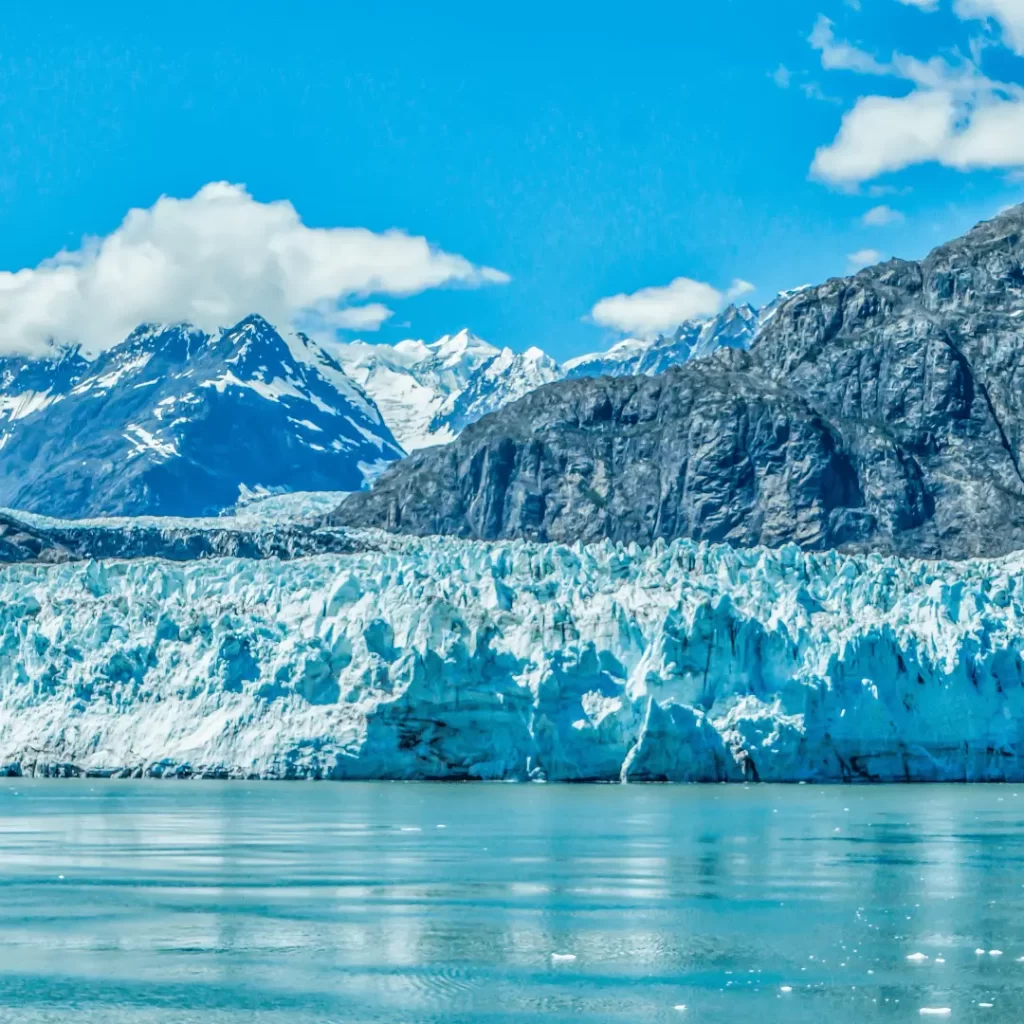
{"points": [[447, 659]]}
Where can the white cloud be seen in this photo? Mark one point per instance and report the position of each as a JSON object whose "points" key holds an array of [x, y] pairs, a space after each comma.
{"points": [[1008, 13], [651, 311], [994, 138], [954, 116], [880, 216], [883, 134], [739, 288], [863, 258], [840, 56], [350, 318], [782, 76], [924, 5], [212, 259]]}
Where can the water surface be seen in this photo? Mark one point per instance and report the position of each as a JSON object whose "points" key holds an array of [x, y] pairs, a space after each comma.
{"points": [[265, 903]]}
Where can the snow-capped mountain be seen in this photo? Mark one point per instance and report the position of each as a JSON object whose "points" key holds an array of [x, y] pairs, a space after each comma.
{"points": [[175, 421], [734, 327], [428, 393]]}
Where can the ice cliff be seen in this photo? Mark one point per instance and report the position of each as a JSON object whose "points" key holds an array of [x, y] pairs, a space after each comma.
{"points": [[447, 659]]}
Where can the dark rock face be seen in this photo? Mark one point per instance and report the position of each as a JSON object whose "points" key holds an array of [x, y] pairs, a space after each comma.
{"points": [[879, 412], [51, 541]]}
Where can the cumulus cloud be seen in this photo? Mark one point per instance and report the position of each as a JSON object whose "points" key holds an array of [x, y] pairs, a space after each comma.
{"points": [[884, 133], [651, 311], [211, 259], [863, 258], [954, 115], [880, 216]]}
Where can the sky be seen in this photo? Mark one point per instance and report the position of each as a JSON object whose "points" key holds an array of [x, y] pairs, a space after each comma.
{"points": [[551, 174]]}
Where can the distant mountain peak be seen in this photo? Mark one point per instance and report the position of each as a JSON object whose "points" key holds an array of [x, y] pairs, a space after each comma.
{"points": [[429, 391]]}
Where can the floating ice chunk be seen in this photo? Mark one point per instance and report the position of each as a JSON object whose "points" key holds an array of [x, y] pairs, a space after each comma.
{"points": [[563, 958], [679, 1007], [786, 988], [980, 952], [918, 956], [995, 952]]}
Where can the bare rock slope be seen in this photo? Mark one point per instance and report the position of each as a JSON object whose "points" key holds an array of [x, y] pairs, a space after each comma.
{"points": [[882, 411]]}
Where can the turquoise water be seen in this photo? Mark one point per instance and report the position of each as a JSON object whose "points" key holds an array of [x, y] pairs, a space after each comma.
{"points": [[184, 902]]}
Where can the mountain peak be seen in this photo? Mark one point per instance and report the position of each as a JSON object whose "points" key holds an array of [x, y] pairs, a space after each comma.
{"points": [[255, 322], [461, 346], [174, 421]]}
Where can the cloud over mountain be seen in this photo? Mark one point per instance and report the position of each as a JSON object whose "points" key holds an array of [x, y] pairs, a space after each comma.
{"points": [[650, 311], [211, 259]]}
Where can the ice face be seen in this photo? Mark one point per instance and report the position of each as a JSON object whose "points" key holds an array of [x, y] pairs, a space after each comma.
{"points": [[447, 659]]}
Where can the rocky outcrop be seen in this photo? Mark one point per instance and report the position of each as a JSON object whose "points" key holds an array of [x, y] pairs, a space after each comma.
{"points": [[28, 538], [883, 412]]}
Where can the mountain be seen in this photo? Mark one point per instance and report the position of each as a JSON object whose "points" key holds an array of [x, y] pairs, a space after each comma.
{"points": [[877, 412], [429, 393], [413, 382], [177, 422], [735, 327]]}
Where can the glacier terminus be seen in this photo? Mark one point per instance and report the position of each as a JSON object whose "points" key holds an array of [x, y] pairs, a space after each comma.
{"points": [[437, 658]]}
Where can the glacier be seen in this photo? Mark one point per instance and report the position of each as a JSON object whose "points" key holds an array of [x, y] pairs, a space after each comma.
{"points": [[409, 658]]}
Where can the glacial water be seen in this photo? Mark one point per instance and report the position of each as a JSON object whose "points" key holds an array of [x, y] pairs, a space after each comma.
{"points": [[266, 903]]}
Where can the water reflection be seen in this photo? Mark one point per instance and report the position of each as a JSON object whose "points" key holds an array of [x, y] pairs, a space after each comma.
{"points": [[224, 902]]}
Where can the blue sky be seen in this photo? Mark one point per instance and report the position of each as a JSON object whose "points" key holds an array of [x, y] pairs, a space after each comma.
{"points": [[584, 150]]}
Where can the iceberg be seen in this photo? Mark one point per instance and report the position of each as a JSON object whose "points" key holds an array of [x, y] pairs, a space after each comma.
{"points": [[410, 658]]}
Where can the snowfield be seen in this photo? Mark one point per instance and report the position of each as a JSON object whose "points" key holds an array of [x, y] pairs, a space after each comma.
{"points": [[458, 660]]}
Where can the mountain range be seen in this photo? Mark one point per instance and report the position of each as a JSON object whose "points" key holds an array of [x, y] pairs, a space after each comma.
{"points": [[881, 412], [175, 421], [429, 393]]}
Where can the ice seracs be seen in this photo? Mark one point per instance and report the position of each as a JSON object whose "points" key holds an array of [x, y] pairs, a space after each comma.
{"points": [[447, 659]]}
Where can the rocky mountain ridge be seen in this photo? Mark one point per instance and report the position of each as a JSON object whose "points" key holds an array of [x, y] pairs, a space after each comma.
{"points": [[430, 392], [882, 411]]}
